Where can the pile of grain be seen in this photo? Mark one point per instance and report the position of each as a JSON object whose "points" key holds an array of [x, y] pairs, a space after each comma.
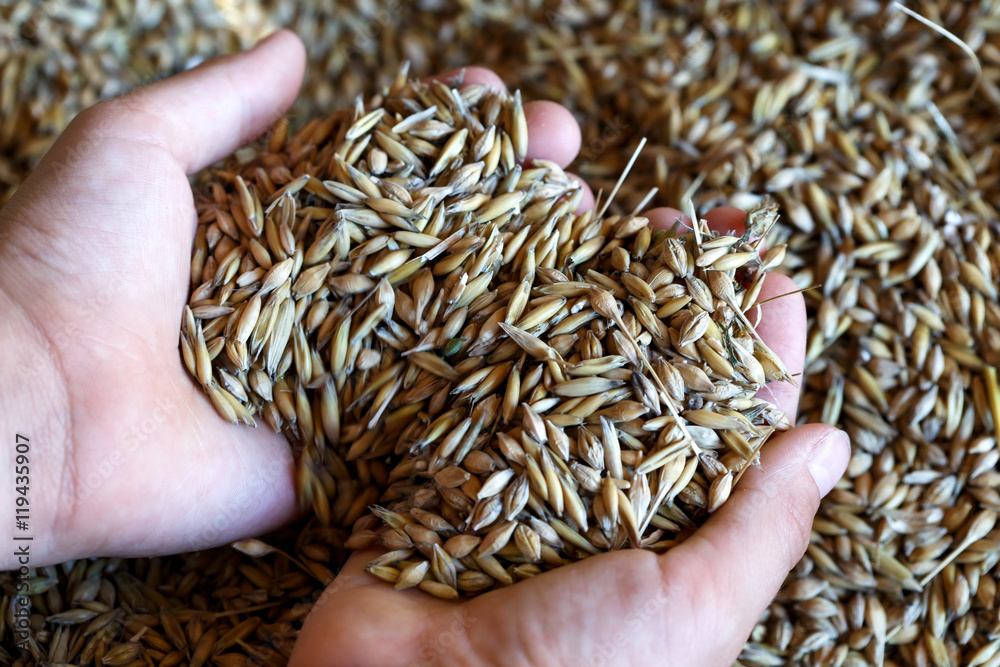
{"points": [[433, 325], [857, 119]]}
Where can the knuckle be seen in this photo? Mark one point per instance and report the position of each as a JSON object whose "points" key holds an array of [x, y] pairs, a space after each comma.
{"points": [[107, 126], [122, 116], [686, 594], [99, 116]]}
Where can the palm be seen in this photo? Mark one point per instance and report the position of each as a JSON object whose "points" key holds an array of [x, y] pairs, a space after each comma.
{"points": [[538, 621], [142, 443]]}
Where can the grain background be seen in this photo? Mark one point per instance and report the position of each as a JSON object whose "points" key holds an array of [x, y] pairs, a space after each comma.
{"points": [[874, 133]]}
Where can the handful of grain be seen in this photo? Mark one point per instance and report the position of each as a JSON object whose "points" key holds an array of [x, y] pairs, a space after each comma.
{"points": [[437, 331]]}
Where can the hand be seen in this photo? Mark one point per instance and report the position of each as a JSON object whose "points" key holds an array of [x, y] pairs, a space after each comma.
{"points": [[128, 457], [694, 605]]}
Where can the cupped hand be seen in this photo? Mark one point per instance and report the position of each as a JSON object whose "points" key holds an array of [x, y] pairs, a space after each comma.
{"points": [[694, 605], [128, 457]]}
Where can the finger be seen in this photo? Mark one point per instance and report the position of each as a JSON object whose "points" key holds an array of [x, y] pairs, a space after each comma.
{"points": [[781, 323], [467, 76], [587, 198], [665, 218], [724, 219], [729, 220], [202, 115], [747, 548], [782, 326], [553, 133]]}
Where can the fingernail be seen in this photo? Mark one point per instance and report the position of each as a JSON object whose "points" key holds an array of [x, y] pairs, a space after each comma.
{"points": [[829, 459]]}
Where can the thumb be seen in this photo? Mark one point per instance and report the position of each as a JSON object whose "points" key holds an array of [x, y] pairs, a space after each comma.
{"points": [[122, 163], [206, 113], [763, 529], [203, 114]]}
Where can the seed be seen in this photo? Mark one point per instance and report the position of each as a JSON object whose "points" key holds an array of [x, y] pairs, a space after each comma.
{"points": [[412, 574], [438, 590]]}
